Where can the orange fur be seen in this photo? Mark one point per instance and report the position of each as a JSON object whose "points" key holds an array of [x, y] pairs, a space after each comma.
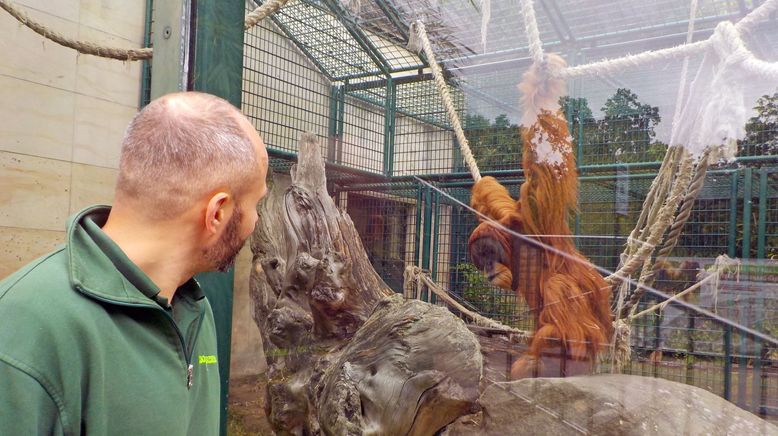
{"points": [[569, 298]]}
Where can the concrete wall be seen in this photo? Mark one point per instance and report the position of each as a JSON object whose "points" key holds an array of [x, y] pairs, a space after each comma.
{"points": [[62, 118]]}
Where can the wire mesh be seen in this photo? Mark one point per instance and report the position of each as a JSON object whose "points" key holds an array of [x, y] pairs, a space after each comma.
{"points": [[386, 222], [307, 69], [284, 93]]}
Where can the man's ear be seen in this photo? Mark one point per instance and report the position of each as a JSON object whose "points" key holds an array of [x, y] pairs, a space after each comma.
{"points": [[215, 214]]}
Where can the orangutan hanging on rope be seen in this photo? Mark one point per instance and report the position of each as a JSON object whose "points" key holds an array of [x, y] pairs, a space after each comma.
{"points": [[567, 296]]}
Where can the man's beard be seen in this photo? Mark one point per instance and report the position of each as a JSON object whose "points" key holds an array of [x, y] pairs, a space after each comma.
{"points": [[221, 256]]}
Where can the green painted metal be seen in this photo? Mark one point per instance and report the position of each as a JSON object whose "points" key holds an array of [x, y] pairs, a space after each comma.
{"points": [[426, 244], [332, 129], [292, 156], [341, 111], [727, 362], [758, 376], [762, 222], [218, 51], [746, 254], [399, 111], [218, 67], [417, 236], [392, 129], [733, 196], [388, 127], [427, 232], [747, 200], [218, 288], [435, 242]]}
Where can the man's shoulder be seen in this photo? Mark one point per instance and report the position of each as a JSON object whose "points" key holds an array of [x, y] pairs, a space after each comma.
{"points": [[36, 280], [40, 295]]}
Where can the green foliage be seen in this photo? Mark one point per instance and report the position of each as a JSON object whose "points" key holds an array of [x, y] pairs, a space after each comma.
{"points": [[495, 145], [485, 298], [627, 128], [761, 130]]}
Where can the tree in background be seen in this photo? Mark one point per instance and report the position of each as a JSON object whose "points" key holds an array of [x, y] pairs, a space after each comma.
{"points": [[583, 126], [761, 130], [496, 145], [626, 131]]}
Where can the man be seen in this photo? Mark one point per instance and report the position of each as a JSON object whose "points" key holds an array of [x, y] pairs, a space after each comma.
{"points": [[110, 334]]}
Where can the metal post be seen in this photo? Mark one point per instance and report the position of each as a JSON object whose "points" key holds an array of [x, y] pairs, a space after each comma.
{"points": [[332, 129], [389, 106], [417, 237], [759, 380], [341, 123], [743, 361], [748, 176], [145, 82], [690, 356], [727, 362], [761, 225], [170, 37], [435, 239], [217, 68], [425, 249], [732, 239]]}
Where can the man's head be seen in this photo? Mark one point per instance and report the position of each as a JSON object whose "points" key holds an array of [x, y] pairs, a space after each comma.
{"points": [[192, 159]]}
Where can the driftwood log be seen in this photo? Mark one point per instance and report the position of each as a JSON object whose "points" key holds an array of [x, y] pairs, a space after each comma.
{"points": [[345, 354]]}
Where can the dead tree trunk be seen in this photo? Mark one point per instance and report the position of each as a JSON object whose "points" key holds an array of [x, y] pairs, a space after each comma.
{"points": [[345, 354]]}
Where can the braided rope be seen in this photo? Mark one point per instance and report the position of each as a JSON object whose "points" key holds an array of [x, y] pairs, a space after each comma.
{"points": [[445, 96], [658, 226], [532, 32], [671, 240], [415, 276], [131, 54], [260, 13], [686, 207]]}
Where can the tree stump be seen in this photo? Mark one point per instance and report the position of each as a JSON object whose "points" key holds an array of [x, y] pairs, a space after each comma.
{"points": [[345, 354]]}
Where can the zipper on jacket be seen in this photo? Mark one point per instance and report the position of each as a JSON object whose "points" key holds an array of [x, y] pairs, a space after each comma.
{"points": [[187, 353], [190, 364]]}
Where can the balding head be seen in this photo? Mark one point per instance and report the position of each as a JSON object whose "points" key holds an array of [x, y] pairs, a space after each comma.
{"points": [[180, 148]]}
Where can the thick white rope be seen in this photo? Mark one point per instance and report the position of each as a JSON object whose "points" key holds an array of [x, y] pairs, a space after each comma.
{"points": [[764, 70], [761, 13], [420, 32], [612, 66], [685, 68], [532, 32], [267, 8], [486, 15]]}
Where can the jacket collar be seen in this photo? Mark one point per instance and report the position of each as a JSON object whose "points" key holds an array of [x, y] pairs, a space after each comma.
{"points": [[100, 269]]}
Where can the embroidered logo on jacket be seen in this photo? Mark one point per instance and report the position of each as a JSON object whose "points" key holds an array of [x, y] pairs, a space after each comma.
{"points": [[206, 360]]}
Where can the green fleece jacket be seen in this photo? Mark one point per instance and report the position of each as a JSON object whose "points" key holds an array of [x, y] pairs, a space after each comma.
{"points": [[88, 347]]}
